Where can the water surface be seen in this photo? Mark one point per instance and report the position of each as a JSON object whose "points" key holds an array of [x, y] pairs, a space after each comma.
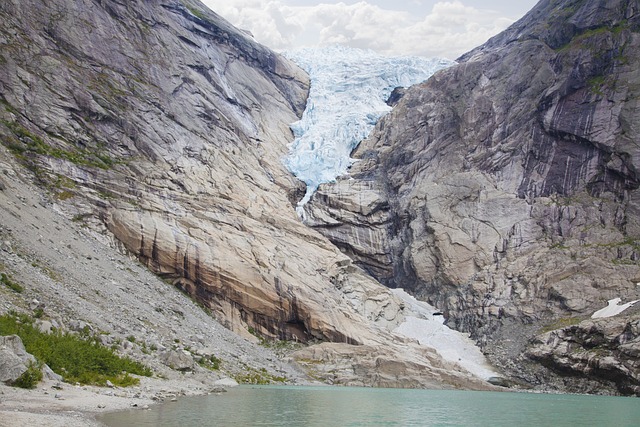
{"points": [[347, 406]]}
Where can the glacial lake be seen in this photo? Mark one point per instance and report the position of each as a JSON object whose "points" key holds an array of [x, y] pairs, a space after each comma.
{"points": [[348, 406]]}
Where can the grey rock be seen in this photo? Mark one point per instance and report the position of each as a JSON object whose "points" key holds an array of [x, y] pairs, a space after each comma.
{"points": [[226, 382], [14, 359], [6, 246], [504, 189], [172, 126], [48, 374], [80, 326], [45, 326], [178, 360], [35, 304], [11, 365]]}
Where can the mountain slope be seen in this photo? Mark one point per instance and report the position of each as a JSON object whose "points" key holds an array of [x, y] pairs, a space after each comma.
{"points": [[161, 129], [504, 192]]}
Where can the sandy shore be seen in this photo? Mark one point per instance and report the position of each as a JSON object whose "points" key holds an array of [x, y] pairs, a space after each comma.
{"points": [[78, 405]]}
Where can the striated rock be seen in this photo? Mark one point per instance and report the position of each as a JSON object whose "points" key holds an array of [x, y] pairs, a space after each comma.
{"points": [[504, 189], [162, 129], [606, 351], [406, 366]]}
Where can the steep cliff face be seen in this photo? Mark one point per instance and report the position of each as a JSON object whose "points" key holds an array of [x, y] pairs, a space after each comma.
{"points": [[504, 191], [162, 128]]}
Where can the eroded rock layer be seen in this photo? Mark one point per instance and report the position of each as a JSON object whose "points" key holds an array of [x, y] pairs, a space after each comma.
{"points": [[504, 189]]}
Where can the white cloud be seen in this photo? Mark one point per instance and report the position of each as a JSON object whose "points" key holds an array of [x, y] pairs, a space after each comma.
{"points": [[449, 29]]}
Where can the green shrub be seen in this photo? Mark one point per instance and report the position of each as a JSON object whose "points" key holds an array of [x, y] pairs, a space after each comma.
{"points": [[16, 287], [79, 359], [213, 363], [29, 378]]}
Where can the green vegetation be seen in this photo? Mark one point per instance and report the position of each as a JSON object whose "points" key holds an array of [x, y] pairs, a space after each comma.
{"points": [[212, 362], [27, 143], [258, 376], [596, 84], [29, 378], [6, 280], [195, 12], [563, 322], [77, 358], [583, 37]]}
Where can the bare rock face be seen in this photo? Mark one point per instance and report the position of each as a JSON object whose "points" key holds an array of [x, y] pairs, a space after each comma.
{"points": [[405, 365], [162, 128], [504, 189], [166, 126], [604, 350]]}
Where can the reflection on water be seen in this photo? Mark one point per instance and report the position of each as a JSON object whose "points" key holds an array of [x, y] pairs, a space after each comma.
{"points": [[346, 406]]}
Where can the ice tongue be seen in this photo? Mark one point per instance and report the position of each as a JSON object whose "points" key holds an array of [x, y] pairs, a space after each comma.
{"points": [[349, 90]]}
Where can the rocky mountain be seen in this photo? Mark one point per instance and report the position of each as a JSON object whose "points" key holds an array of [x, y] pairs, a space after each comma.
{"points": [[159, 129], [504, 191]]}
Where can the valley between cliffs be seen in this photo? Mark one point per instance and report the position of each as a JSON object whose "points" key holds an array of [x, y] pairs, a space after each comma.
{"points": [[148, 137], [143, 193]]}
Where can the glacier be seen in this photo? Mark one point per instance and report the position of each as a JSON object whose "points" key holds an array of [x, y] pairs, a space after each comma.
{"points": [[348, 94]]}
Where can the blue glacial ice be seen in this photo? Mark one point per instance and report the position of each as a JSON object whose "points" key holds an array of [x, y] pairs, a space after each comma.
{"points": [[349, 89]]}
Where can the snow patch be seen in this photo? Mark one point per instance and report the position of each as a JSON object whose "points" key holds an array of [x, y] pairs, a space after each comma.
{"points": [[426, 326], [349, 90], [612, 308]]}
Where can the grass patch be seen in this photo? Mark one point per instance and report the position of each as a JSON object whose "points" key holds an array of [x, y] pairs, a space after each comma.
{"points": [[197, 13], [563, 322], [77, 358], [258, 376], [26, 143], [212, 363], [6, 280], [582, 39]]}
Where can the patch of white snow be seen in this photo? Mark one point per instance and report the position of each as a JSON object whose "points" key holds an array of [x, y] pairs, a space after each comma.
{"points": [[612, 308], [426, 326]]}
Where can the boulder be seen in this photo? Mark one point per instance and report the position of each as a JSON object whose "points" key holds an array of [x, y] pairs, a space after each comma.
{"points": [[178, 360], [14, 359]]}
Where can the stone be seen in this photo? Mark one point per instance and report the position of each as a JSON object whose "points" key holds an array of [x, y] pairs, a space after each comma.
{"points": [[500, 196], [45, 326], [225, 382], [14, 359], [80, 326], [606, 350], [48, 374], [6, 246], [178, 360], [402, 366]]}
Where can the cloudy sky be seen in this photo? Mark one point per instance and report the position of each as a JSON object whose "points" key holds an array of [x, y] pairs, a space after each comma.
{"points": [[444, 28]]}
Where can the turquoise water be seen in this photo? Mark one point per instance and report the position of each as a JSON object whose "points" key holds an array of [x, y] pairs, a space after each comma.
{"points": [[346, 406]]}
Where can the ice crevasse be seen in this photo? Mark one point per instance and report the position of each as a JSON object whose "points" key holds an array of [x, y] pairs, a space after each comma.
{"points": [[349, 90]]}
